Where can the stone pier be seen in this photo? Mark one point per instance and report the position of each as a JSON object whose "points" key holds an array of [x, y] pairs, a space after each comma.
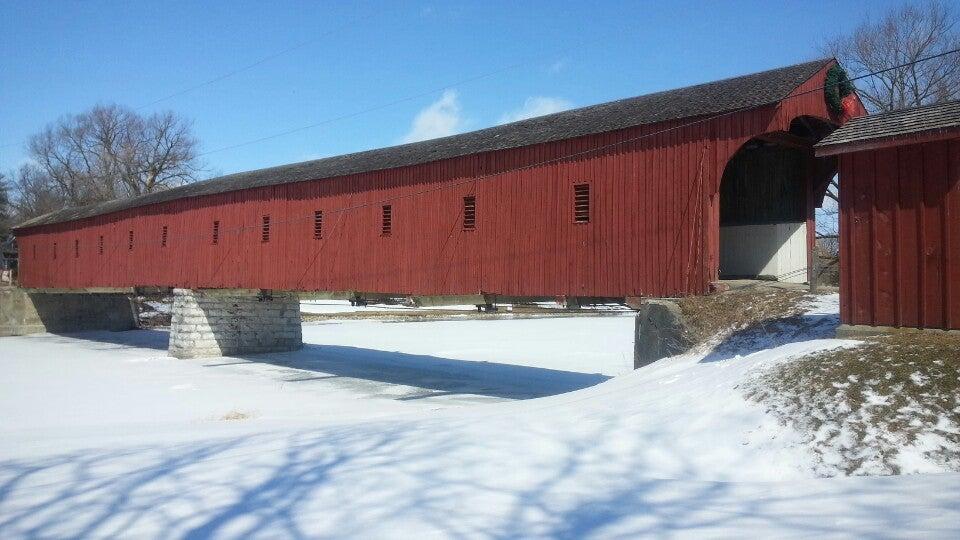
{"points": [[30, 311], [220, 322]]}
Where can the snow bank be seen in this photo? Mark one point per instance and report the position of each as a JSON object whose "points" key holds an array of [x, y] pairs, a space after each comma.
{"points": [[116, 439]]}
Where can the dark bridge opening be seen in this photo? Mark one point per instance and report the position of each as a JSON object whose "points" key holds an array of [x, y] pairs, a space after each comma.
{"points": [[768, 194]]}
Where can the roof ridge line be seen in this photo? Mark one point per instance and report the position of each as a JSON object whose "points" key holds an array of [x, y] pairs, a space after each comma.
{"points": [[740, 92]]}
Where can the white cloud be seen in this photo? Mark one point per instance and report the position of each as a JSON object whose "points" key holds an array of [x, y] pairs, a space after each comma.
{"points": [[536, 106], [556, 67], [439, 119]]}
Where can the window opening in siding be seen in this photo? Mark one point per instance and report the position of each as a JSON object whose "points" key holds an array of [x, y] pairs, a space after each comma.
{"points": [[130, 241], [76, 248], [386, 226], [100, 245], [54, 250], [317, 224], [581, 203], [265, 230], [163, 236], [216, 232], [34, 252], [469, 213]]}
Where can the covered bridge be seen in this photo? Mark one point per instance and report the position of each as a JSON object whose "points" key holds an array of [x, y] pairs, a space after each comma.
{"points": [[658, 195], [628, 198]]}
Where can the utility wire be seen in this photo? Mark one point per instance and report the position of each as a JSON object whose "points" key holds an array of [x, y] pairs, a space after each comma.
{"points": [[521, 64], [473, 180], [529, 61], [247, 67], [256, 63], [429, 92], [565, 50]]}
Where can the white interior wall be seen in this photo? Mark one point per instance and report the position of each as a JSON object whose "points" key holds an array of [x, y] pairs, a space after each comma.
{"points": [[778, 250]]}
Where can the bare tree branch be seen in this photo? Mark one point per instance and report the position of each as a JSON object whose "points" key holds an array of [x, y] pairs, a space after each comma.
{"points": [[105, 153], [903, 36]]}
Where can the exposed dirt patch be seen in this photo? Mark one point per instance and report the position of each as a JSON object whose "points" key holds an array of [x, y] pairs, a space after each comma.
{"points": [[888, 406], [709, 317], [236, 415]]}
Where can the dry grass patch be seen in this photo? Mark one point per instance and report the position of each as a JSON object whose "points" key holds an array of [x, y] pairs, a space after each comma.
{"points": [[236, 415], [888, 406], [715, 315]]}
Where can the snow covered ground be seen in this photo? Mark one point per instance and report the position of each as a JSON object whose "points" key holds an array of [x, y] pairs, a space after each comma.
{"points": [[416, 430], [344, 306]]}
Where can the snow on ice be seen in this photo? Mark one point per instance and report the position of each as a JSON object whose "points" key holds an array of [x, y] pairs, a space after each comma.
{"points": [[425, 430]]}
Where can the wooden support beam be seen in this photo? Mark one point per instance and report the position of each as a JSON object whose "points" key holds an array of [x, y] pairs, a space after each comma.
{"points": [[82, 290]]}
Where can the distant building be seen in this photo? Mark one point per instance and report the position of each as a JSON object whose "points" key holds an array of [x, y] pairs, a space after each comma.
{"points": [[8, 260]]}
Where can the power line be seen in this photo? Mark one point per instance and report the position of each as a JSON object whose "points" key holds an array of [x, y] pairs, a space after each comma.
{"points": [[246, 67], [258, 62], [534, 59], [565, 50], [476, 78], [476, 179], [386, 105], [411, 97]]}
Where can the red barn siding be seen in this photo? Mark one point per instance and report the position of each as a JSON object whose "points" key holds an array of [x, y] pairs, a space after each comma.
{"points": [[900, 236], [653, 230]]}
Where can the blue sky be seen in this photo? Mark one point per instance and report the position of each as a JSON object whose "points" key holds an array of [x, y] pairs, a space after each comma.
{"points": [[376, 74]]}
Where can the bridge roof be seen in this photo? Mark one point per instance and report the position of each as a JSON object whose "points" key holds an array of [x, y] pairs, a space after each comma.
{"points": [[893, 128], [743, 92]]}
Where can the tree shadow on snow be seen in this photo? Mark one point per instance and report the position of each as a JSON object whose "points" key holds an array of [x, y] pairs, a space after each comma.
{"points": [[770, 334], [404, 480], [436, 375]]}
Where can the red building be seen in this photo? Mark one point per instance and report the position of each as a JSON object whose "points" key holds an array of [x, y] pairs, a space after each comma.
{"points": [[657, 195], [900, 217]]}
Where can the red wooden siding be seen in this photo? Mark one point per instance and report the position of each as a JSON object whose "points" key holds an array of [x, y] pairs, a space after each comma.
{"points": [[900, 236], [653, 229]]}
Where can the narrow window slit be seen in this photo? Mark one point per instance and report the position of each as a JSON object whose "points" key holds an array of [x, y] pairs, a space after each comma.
{"points": [[387, 224], [100, 245], [76, 248], [317, 224], [130, 241], [216, 232], [581, 203], [163, 236], [265, 230], [469, 213]]}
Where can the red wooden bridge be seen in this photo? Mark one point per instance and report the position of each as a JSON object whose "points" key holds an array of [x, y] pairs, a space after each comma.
{"points": [[627, 198]]}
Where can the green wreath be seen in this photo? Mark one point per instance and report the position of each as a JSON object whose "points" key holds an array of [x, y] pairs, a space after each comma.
{"points": [[836, 87]]}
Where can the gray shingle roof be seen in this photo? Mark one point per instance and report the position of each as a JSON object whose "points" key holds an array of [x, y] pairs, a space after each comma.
{"points": [[896, 124], [742, 92]]}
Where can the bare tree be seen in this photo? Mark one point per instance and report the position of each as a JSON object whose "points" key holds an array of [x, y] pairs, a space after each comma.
{"points": [[106, 153], [34, 194], [890, 47], [5, 208]]}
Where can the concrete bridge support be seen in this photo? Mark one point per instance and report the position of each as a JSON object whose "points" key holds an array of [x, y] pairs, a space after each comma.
{"points": [[660, 331], [220, 322], [29, 312]]}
